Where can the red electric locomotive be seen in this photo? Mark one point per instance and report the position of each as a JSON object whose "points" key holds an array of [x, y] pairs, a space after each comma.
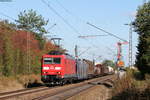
{"points": [[58, 68], [61, 68]]}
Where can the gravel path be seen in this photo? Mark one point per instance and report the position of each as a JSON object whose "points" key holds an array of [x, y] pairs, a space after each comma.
{"points": [[99, 92]]}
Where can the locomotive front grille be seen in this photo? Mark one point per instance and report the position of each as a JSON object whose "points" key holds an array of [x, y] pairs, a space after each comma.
{"points": [[50, 78]]}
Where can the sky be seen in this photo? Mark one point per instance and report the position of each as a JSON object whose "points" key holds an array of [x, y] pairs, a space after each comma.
{"points": [[71, 17]]}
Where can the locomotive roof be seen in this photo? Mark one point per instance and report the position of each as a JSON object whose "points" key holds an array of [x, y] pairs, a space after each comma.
{"points": [[55, 52], [58, 53]]}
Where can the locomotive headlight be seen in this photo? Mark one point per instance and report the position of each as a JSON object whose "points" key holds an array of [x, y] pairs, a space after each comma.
{"points": [[57, 68], [45, 68]]}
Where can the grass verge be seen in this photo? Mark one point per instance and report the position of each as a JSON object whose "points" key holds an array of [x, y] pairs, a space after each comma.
{"points": [[131, 88], [19, 82]]}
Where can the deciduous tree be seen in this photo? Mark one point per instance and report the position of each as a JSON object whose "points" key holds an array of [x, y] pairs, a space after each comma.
{"points": [[108, 63]]}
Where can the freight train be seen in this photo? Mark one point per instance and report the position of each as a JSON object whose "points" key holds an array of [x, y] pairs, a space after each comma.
{"points": [[60, 68]]}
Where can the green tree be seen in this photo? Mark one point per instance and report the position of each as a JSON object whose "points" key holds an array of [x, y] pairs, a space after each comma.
{"points": [[23, 68], [1, 64], [17, 61], [36, 65], [31, 21], [7, 56], [108, 63], [142, 27]]}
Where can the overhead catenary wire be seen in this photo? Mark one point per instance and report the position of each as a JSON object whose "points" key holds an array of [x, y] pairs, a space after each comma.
{"points": [[62, 18], [111, 34], [63, 7], [113, 52], [65, 21], [89, 23], [69, 12], [84, 37], [84, 51]]}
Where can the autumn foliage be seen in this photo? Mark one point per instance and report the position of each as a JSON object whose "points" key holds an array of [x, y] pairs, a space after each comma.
{"points": [[20, 51]]}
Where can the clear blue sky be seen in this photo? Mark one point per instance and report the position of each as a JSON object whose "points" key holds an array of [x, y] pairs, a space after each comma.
{"points": [[110, 15]]}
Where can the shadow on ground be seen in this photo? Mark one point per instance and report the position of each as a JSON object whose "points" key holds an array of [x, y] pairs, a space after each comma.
{"points": [[33, 84]]}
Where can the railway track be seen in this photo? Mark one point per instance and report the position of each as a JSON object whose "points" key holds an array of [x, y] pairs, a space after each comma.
{"points": [[66, 93], [6, 95], [53, 93]]}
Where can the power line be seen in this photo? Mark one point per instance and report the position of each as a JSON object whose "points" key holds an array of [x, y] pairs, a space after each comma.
{"points": [[63, 7], [84, 51], [63, 19], [69, 12], [91, 43], [106, 32], [66, 10], [76, 18]]}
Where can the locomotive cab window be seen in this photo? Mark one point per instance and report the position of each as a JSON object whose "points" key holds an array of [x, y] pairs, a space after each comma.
{"points": [[52, 60], [57, 60]]}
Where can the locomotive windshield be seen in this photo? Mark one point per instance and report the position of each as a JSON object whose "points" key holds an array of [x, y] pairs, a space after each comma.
{"points": [[52, 60]]}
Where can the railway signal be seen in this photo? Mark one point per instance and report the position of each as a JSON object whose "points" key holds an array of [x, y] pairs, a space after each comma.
{"points": [[120, 62]]}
